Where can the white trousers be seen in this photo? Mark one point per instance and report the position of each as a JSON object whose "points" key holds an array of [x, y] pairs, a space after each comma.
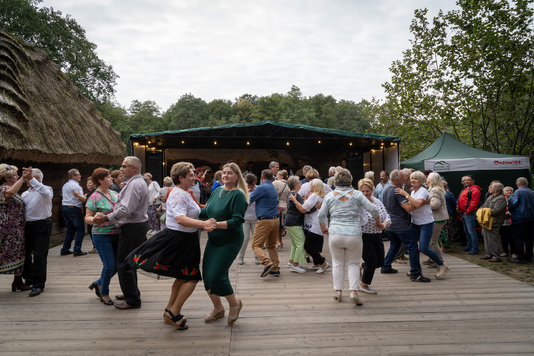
{"points": [[346, 251], [248, 231]]}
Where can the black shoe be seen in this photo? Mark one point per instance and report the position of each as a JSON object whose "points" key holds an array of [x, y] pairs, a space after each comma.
{"points": [[81, 253], [515, 260], [36, 291], [421, 278], [266, 270], [275, 274], [96, 287], [65, 253], [389, 270]]}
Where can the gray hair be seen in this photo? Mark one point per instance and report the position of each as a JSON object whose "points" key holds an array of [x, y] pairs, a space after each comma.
{"points": [[136, 162], [343, 178], [396, 175], [332, 170], [521, 182], [498, 186], [369, 175], [72, 172], [292, 182], [36, 172], [272, 164]]}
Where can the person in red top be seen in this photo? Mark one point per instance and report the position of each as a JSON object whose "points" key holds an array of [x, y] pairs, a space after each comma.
{"points": [[467, 206]]}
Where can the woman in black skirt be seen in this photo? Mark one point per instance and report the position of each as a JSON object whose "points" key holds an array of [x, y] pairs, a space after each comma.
{"points": [[373, 247], [175, 251]]}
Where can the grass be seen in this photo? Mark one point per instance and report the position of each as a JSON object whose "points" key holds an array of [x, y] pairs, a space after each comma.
{"points": [[521, 272]]}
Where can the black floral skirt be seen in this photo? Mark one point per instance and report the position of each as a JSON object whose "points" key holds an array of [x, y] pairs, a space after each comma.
{"points": [[169, 253]]}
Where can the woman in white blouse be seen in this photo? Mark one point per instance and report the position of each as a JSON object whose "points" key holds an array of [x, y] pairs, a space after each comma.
{"points": [[175, 251], [422, 219], [344, 206], [373, 247]]}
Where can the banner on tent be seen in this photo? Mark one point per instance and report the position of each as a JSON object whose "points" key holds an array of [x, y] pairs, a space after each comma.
{"points": [[477, 164]]}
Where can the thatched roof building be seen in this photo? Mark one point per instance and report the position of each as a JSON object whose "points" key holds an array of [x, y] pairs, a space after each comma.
{"points": [[43, 116], [46, 123]]}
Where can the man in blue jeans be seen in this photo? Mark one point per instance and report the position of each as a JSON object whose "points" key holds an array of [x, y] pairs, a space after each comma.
{"points": [[71, 207], [467, 206], [399, 210]]}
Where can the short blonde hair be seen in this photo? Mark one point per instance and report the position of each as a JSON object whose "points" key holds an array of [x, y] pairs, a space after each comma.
{"points": [[167, 181], [7, 170], [420, 176], [312, 174], [367, 182], [148, 175], [317, 187], [282, 173]]}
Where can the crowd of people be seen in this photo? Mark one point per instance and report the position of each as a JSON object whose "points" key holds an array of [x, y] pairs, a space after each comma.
{"points": [[414, 210]]}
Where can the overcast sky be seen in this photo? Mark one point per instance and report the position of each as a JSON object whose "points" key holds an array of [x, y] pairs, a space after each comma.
{"points": [[162, 49]]}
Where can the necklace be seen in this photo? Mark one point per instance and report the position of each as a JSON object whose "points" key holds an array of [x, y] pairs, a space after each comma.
{"points": [[222, 196]]}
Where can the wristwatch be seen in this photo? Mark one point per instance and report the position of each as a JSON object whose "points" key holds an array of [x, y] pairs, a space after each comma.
{"points": [[106, 218]]}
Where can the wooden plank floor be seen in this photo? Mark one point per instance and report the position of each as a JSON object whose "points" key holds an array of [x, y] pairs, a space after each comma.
{"points": [[473, 311]]}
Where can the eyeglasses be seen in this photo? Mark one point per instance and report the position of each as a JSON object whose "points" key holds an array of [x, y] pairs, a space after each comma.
{"points": [[127, 165]]}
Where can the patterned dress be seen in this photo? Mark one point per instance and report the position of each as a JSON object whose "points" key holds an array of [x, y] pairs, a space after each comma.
{"points": [[11, 233]]}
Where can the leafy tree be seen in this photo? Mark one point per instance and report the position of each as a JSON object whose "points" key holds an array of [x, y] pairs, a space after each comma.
{"points": [[269, 108], [188, 112], [220, 112], [353, 116], [469, 72], [64, 41]]}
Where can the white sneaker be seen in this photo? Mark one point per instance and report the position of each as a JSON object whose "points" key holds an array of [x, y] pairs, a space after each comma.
{"points": [[289, 265], [297, 269], [514, 255], [314, 268], [369, 290], [504, 254], [442, 270], [321, 270]]}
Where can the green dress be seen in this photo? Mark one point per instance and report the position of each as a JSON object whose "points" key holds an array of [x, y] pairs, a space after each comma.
{"points": [[223, 244]]}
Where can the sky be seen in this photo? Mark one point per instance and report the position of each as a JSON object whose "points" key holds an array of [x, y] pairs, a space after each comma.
{"points": [[163, 49]]}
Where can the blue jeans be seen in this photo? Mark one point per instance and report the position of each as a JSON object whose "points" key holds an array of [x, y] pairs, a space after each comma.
{"points": [[470, 232], [410, 241], [75, 225], [107, 246], [424, 233]]}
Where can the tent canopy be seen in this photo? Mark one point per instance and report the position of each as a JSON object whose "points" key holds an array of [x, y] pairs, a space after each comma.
{"points": [[453, 159], [447, 147]]}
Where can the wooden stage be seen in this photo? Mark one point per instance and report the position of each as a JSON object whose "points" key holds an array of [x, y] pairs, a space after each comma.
{"points": [[473, 311]]}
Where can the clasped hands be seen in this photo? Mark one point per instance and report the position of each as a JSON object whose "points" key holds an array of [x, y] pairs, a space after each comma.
{"points": [[210, 225], [99, 218]]}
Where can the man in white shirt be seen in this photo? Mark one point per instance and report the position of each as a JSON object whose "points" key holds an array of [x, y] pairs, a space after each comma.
{"points": [[38, 210], [72, 203]]}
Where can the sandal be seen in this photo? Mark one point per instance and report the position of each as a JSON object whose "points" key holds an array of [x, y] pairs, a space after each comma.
{"points": [[233, 318], [214, 315], [175, 319]]}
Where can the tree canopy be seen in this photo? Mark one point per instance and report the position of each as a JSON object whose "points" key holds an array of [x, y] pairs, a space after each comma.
{"points": [[469, 72], [63, 39]]}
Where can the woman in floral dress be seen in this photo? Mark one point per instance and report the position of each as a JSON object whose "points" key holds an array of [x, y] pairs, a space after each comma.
{"points": [[12, 225]]}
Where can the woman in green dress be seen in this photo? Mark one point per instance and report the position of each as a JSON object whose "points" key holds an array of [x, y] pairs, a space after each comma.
{"points": [[227, 205]]}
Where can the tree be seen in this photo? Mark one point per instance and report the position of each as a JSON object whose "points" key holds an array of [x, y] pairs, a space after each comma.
{"points": [[220, 112], [64, 41], [469, 72], [188, 112]]}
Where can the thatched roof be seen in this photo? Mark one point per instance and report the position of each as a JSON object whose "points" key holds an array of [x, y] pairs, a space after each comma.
{"points": [[43, 116]]}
